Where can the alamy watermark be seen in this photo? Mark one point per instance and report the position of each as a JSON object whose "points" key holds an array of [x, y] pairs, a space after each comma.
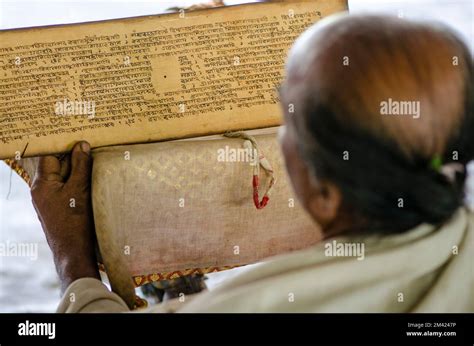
{"points": [[337, 249], [28, 328], [393, 107], [79, 107], [11, 249], [228, 154]]}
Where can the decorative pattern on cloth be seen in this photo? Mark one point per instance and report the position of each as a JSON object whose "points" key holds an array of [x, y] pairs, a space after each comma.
{"points": [[141, 280], [145, 279], [169, 206]]}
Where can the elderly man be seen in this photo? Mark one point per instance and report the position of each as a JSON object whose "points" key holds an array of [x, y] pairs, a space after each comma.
{"points": [[379, 114]]}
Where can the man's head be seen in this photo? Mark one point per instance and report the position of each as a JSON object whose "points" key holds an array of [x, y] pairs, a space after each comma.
{"points": [[372, 106]]}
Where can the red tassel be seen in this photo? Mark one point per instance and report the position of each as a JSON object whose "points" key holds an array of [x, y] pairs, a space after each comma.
{"points": [[265, 199]]}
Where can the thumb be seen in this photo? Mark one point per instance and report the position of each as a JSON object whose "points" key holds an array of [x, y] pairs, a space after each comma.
{"points": [[81, 164]]}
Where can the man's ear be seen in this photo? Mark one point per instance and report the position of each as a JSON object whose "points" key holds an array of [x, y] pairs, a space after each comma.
{"points": [[324, 202], [321, 198]]}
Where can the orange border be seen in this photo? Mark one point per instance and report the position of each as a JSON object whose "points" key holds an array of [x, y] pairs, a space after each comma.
{"points": [[144, 279]]}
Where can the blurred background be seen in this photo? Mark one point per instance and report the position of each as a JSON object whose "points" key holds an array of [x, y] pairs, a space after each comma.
{"points": [[28, 285]]}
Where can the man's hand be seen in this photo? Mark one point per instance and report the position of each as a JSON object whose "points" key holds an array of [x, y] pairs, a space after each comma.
{"points": [[63, 203]]}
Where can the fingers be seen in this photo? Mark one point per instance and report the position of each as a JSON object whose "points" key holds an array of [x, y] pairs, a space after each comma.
{"points": [[66, 167], [81, 164], [49, 169]]}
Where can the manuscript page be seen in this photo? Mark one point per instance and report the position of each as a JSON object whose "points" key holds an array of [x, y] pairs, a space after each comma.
{"points": [[149, 78]]}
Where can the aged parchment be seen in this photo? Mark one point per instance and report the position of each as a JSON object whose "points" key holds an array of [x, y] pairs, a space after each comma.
{"points": [[148, 78]]}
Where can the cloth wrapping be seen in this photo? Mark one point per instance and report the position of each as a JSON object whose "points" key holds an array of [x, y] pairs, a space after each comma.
{"points": [[173, 208]]}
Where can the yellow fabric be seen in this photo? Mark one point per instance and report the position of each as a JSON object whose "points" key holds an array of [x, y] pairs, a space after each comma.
{"points": [[183, 205], [423, 270]]}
